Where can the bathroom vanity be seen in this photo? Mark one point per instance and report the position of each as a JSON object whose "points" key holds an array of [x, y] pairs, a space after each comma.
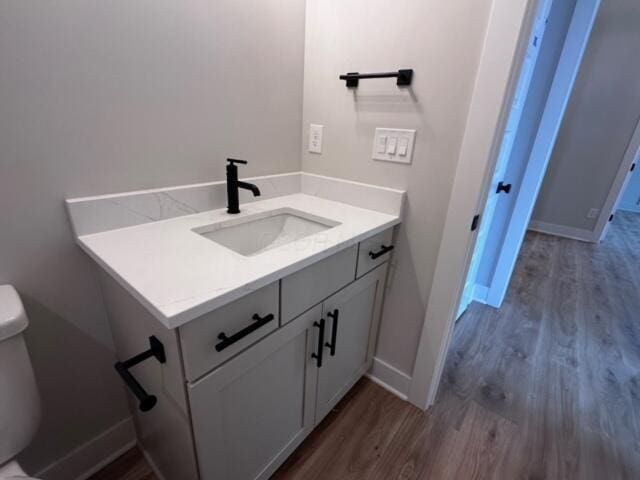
{"points": [[265, 319]]}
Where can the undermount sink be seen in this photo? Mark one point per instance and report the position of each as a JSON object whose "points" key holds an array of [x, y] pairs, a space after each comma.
{"points": [[262, 232]]}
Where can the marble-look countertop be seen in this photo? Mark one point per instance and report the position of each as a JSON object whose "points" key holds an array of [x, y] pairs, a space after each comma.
{"points": [[179, 275]]}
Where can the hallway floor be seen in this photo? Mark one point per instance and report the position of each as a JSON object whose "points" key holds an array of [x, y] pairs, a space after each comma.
{"points": [[547, 387]]}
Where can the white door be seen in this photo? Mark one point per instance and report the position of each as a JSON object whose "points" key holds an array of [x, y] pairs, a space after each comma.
{"points": [[526, 74], [516, 224], [252, 412]]}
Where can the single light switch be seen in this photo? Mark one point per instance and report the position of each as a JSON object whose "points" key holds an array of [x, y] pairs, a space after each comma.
{"points": [[382, 144], [391, 145], [403, 145], [315, 138]]}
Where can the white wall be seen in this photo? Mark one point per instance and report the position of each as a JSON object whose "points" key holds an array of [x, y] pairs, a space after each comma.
{"points": [[100, 97], [441, 41], [600, 120]]}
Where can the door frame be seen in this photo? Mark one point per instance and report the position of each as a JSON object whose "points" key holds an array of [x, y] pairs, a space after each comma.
{"points": [[618, 186], [508, 31]]}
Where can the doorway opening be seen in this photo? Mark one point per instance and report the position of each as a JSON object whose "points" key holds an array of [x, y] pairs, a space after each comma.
{"points": [[554, 55], [547, 296], [546, 289]]}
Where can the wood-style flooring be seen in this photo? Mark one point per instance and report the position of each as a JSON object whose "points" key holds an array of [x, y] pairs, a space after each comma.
{"points": [[130, 466], [546, 387]]}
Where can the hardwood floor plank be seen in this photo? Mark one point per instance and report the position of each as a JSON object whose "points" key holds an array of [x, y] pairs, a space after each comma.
{"points": [[471, 350], [362, 444], [481, 445], [130, 466], [413, 454], [325, 442], [550, 437], [503, 383], [525, 301], [559, 336], [606, 407]]}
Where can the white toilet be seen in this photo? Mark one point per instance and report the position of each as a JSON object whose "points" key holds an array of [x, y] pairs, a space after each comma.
{"points": [[19, 399]]}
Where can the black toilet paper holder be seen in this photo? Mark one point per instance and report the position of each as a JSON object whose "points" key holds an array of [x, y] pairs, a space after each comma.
{"points": [[156, 350]]}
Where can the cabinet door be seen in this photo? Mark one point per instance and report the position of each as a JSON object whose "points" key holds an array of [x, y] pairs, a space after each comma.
{"points": [[251, 413], [354, 330]]}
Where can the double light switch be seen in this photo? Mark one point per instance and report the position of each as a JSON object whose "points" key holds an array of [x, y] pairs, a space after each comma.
{"points": [[393, 145]]}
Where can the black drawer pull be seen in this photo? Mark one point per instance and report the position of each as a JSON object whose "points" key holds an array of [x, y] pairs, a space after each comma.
{"points": [[383, 249], [156, 349], [228, 341], [334, 331], [318, 356]]}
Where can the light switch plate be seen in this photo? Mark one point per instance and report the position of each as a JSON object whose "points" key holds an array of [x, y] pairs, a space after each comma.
{"points": [[399, 145], [315, 138]]}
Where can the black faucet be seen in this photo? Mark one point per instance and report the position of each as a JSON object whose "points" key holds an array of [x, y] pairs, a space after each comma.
{"points": [[233, 184]]}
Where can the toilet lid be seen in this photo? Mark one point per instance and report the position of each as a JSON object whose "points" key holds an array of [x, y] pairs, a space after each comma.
{"points": [[13, 319]]}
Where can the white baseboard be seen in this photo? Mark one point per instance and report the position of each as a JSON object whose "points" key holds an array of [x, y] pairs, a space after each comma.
{"points": [[563, 231], [93, 455], [151, 463], [629, 207], [390, 378]]}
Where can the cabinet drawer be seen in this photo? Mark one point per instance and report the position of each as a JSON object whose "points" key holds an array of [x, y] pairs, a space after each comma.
{"points": [[370, 253], [308, 287], [241, 322]]}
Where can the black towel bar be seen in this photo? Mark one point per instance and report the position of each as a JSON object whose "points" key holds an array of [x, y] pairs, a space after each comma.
{"points": [[404, 77]]}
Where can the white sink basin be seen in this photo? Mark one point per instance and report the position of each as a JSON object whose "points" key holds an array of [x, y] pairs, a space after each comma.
{"points": [[262, 232]]}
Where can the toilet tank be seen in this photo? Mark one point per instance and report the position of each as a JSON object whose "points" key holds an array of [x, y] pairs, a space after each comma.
{"points": [[19, 399]]}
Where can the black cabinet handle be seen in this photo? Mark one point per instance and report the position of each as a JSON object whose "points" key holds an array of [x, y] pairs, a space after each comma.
{"points": [[156, 349], [383, 249], [334, 331], [503, 187], [258, 322], [318, 355]]}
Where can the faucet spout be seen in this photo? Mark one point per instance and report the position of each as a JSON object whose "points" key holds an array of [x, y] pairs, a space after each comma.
{"points": [[249, 186]]}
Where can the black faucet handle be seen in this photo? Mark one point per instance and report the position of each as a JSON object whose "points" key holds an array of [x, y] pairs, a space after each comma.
{"points": [[233, 161]]}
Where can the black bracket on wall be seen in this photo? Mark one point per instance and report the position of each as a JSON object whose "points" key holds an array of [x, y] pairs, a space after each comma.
{"points": [[156, 349], [404, 77]]}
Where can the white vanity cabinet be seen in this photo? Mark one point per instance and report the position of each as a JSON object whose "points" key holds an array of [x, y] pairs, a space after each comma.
{"points": [[243, 385], [252, 412]]}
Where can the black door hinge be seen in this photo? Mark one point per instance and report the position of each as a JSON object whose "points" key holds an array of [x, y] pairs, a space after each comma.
{"points": [[474, 222], [633, 167], [611, 217]]}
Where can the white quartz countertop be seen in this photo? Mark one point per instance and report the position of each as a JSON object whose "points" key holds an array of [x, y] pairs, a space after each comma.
{"points": [[179, 275]]}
